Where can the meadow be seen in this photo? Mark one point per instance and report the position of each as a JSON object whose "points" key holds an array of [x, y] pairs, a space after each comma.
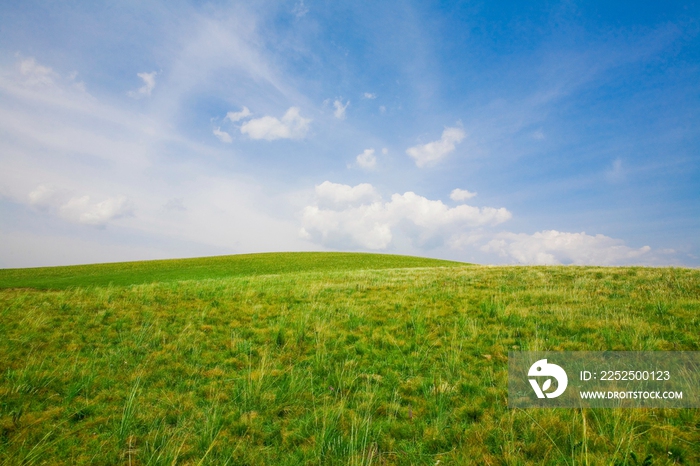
{"points": [[314, 358]]}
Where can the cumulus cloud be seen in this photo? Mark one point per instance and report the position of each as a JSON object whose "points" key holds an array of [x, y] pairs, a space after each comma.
{"points": [[339, 111], [347, 217], [364, 226], [429, 154], [80, 209], [222, 135], [292, 126], [336, 195], [556, 247], [358, 217], [430, 214], [461, 195], [149, 83], [237, 116], [366, 159], [369, 95]]}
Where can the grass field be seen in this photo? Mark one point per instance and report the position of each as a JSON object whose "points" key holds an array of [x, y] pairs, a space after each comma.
{"points": [[242, 265], [326, 359]]}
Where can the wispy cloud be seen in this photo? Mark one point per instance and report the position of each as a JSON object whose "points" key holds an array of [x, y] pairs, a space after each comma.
{"points": [[222, 135], [300, 9], [433, 152], [40, 79], [36, 74], [616, 172], [339, 107], [149, 83], [77, 159]]}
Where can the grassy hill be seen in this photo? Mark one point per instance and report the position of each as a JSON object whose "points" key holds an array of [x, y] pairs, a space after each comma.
{"points": [[134, 273], [388, 361]]}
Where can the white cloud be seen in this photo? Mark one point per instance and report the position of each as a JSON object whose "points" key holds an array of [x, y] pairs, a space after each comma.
{"points": [[336, 195], [382, 109], [385, 151], [366, 159], [46, 196], [80, 209], [36, 74], [237, 116], [428, 154], [538, 135], [369, 95], [347, 217], [555, 247], [339, 111], [461, 194], [44, 79], [364, 226], [149, 83], [358, 217], [430, 214], [84, 210], [222, 135], [292, 126]]}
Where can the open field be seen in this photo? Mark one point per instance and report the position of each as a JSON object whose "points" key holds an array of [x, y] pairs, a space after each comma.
{"points": [[404, 363]]}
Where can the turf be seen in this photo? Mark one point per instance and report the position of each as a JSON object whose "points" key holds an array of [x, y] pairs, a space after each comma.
{"points": [[382, 366], [134, 273]]}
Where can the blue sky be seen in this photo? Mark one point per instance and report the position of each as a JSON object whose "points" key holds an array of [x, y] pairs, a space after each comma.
{"points": [[491, 132]]}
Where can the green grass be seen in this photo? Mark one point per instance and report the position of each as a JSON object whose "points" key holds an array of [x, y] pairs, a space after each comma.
{"points": [[135, 273], [385, 366]]}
